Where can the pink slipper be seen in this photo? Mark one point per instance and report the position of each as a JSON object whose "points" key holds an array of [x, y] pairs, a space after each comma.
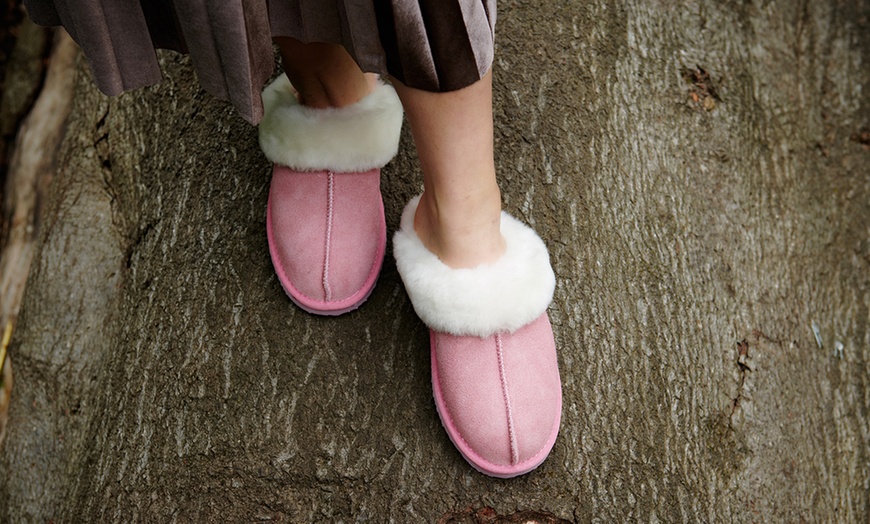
{"points": [[495, 376], [325, 217]]}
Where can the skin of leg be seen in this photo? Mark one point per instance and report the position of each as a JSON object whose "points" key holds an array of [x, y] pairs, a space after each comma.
{"points": [[459, 213], [323, 74]]}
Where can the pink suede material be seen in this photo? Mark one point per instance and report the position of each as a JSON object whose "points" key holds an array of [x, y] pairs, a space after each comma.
{"points": [[501, 409], [327, 236]]}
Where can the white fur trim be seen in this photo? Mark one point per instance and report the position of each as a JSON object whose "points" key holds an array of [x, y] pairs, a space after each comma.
{"points": [[502, 296], [354, 138]]}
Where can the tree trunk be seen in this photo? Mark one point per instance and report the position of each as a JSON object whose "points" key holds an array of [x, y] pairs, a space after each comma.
{"points": [[700, 175]]}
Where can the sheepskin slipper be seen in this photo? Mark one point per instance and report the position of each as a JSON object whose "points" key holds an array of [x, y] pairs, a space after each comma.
{"points": [[495, 376], [325, 217]]}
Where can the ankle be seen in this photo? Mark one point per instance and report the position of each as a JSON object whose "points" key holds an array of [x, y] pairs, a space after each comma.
{"points": [[462, 230], [321, 95], [324, 74]]}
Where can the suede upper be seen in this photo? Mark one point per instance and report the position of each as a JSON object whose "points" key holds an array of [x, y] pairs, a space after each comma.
{"points": [[325, 217], [327, 236], [499, 398], [495, 376]]}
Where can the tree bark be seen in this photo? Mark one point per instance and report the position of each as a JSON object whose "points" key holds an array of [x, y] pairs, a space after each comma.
{"points": [[700, 177], [32, 166]]}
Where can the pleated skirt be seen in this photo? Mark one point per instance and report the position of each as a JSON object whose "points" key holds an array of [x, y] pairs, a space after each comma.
{"points": [[433, 45]]}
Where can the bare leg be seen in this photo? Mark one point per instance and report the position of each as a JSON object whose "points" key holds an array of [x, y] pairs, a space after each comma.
{"points": [[459, 213], [458, 216], [324, 74]]}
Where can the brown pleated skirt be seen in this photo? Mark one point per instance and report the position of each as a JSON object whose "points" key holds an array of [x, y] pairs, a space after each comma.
{"points": [[434, 45]]}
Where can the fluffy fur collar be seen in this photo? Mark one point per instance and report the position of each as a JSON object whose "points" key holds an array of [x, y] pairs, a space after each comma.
{"points": [[502, 296], [358, 137]]}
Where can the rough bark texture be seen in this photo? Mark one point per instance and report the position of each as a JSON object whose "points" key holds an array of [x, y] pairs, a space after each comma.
{"points": [[33, 165], [699, 177]]}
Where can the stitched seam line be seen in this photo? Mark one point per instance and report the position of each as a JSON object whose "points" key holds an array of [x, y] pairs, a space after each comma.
{"points": [[515, 454], [327, 291]]}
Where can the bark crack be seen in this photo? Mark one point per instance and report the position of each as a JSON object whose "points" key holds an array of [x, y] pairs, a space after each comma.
{"points": [[137, 240], [102, 144], [101, 141], [489, 515], [745, 367]]}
